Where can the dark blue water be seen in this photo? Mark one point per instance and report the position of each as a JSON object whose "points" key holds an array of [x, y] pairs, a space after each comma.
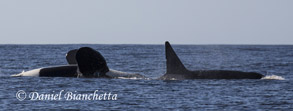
{"points": [[151, 94]]}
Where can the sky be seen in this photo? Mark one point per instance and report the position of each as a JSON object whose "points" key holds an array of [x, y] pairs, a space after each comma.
{"points": [[146, 21]]}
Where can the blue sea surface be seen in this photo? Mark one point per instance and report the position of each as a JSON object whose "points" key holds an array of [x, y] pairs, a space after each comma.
{"points": [[152, 94]]}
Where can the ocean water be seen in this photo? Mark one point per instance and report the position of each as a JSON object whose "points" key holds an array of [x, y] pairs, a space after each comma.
{"points": [[272, 93]]}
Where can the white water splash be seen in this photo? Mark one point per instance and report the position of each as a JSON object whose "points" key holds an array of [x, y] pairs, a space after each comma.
{"points": [[275, 77], [173, 79], [134, 78]]}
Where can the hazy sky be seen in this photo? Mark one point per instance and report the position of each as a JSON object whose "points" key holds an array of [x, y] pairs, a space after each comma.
{"points": [[146, 21]]}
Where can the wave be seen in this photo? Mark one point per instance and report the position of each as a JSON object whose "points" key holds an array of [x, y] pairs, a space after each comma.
{"points": [[275, 77]]}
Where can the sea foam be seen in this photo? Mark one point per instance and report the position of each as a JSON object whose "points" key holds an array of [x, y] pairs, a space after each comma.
{"points": [[275, 77]]}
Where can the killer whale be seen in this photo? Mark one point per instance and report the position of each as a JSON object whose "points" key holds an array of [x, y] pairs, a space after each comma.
{"points": [[82, 62], [176, 70], [87, 62]]}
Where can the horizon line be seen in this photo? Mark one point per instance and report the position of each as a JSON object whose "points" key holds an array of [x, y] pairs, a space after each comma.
{"points": [[136, 44]]}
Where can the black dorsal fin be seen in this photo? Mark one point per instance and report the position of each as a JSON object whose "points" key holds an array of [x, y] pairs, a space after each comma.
{"points": [[70, 56], [174, 65]]}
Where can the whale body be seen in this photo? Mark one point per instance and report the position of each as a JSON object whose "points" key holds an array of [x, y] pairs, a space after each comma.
{"points": [[177, 71], [83, 62], [89, 63]]}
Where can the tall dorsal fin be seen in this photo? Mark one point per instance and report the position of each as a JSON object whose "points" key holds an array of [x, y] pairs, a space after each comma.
{"points": [[70, 56], [174, 65]]}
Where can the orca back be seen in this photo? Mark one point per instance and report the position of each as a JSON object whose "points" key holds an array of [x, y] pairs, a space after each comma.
{"points": [[60, 71], [176, 70]]}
